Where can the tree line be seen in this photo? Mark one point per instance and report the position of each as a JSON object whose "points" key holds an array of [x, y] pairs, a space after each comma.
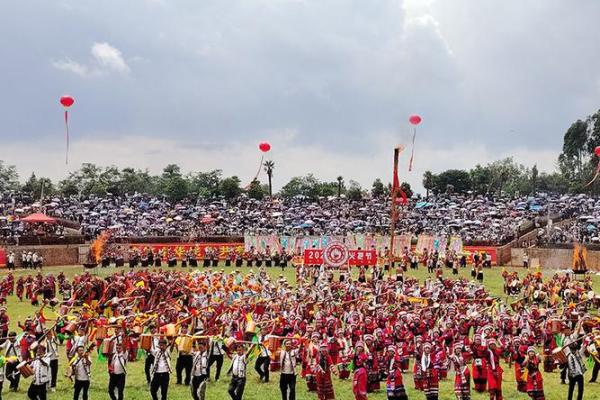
{"points": [[174, 185], [576, 166]]}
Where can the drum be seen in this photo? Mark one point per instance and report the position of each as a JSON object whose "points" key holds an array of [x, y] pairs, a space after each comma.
{"points": [[146, 342], [555, 325], [229, 342], [185, 344], [250, 327], [25, 369], [170, 330], [559, 355], [274, 365], [106, 346], [101, 332], [70, 328]]}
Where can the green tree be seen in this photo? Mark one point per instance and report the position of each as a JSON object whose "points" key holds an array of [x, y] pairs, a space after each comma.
{"points": [[255, 190], [9, 179], [172, 184], [38, 187], [534, 179], [428, 183], [377, 189], [340, 185], [327, 189], [354, 191], [230, 187], [571, 160], [454, 179], [480, 179], [205, 184], [308, 186], [135, 181], [269, 166], [405, 186]]}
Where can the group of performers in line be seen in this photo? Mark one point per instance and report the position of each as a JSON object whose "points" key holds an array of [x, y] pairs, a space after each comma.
{"points": [[210, 257], [371, 330]]}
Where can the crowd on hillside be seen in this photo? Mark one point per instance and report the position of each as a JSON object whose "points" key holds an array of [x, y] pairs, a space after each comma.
{"points": [[474, 218]]}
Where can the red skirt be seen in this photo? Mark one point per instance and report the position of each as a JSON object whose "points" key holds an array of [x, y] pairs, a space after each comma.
{"points": [[494, 379], [325, 386]]}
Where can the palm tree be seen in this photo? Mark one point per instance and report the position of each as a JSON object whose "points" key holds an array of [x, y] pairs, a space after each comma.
{"points": [[340, 180], [269, 165]]}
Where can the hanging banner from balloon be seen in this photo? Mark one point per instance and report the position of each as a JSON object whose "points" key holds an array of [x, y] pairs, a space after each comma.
{"points": [[264, 147], [597, 153], [414, 121], [67, 101]]}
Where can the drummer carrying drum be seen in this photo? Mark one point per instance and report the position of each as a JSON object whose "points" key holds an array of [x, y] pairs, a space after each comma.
{"points": [[39, 368]]}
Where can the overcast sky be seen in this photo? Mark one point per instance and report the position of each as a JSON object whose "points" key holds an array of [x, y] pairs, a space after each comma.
{"points": [[329, 83]]}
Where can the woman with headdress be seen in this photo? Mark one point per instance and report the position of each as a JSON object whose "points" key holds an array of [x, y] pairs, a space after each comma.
{"points": [[323, 368], [429, 373], [462, 376], [535, 382], [394, 382], [359, 381]]}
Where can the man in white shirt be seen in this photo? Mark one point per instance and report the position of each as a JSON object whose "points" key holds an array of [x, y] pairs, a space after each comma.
{"points": [[41, 375], [199, 372], [288, 359], [161, 370], [238, 374], [150, 356], [12, 349], [215, 356], [81, 372], [184, 361], [52, 352], [117, 371], [261, 366]]}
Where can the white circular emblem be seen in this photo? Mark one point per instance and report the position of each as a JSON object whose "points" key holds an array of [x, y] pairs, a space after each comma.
{"points": [[336, 254]]}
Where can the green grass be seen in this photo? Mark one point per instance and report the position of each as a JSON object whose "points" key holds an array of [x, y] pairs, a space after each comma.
{"points": [[136, 388]]}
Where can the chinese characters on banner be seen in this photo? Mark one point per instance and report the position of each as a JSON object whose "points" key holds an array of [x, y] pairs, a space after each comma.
{"points": [[181, 249], [356, 257]]}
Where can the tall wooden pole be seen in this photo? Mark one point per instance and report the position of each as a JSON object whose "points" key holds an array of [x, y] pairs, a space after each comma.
{"points": [[393, 209]]}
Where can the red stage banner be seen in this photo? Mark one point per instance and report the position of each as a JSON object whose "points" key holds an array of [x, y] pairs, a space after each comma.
{"points": [[355, 257], [3, 259], [471, 250], [180, 249]]}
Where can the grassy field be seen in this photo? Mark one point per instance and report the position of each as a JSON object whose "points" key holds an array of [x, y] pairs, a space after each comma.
{"points": [[136, 388]]}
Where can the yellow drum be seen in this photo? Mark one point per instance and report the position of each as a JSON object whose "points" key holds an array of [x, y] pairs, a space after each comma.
{"points": [[146, 342], [106, 346], [101, 332], [170, 330], [185, 344]]}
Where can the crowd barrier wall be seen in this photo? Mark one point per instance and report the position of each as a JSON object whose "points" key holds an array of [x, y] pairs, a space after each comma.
{"points": [[553, 258]]}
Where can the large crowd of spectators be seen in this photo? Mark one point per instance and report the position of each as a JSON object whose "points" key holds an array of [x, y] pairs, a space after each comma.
{"points": [[474, 218]]}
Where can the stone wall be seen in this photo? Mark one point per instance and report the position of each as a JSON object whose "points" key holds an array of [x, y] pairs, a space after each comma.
{"points": [[553, 258], [53, 255]]}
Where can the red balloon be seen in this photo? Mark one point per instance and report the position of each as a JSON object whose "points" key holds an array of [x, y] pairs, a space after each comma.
{"points": [[67, 101], [597, 151], [264, 147], [414, 119]]}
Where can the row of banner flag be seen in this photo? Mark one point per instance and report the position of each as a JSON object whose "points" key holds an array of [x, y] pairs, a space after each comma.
{"points": [[379, 243]]}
